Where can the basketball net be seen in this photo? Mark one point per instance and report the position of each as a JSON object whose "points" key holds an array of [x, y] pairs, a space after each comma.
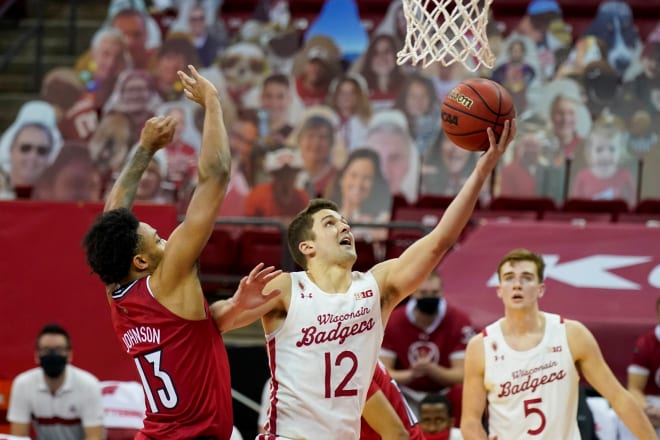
{"points": [[447, 31]]}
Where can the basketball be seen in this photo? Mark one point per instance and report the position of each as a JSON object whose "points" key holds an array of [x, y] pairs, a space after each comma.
{"points": [[472, 106]]}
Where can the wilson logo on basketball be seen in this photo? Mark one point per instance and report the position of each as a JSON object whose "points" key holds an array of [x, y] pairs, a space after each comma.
{"points": [[461, 99], [449, 118]]}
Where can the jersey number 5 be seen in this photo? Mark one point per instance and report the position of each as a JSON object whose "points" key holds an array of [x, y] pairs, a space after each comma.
{"points": [[529, 410], [341, 390], [167, 393]]}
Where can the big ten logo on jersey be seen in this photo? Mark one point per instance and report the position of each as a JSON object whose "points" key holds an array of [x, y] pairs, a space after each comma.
{"points": [[364, 294], [304, 295], [554, 349]]}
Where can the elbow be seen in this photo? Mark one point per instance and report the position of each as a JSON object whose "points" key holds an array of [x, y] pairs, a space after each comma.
{"points": [[219, 171]]}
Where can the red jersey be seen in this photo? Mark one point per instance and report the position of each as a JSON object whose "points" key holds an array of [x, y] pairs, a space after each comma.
{"points": [[182, 364], [646, 361], [447, 337], [383, 381]]}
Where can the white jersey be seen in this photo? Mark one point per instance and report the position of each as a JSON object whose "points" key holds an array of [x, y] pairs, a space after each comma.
{"points": [[64, 415], [322, 359], [532, 394]]}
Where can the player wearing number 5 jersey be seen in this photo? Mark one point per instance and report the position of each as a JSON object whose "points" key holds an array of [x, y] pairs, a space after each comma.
{"points": [[157, 306], [325, 329], [525, 366]]}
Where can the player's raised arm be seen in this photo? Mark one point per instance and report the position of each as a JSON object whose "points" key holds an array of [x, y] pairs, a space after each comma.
{"points": [[213, 169], [401, 276], [156, 134]]}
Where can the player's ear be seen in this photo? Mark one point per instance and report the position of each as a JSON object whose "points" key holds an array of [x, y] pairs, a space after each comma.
{"points": [[498, 289], [306, 247], [541, 289], [140, 262]]}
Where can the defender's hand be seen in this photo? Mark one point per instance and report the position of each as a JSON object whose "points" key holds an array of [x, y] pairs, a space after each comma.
{"points": [[157, 133], [196, 87], [249, 294]]}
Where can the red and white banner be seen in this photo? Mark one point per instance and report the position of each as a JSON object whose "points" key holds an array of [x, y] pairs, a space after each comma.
{"points": [[604, 275]]}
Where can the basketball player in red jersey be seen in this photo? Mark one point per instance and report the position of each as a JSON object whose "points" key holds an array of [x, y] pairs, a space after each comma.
{"points": [[526, 366], [324, 331], [386, 413], [156, 302]]}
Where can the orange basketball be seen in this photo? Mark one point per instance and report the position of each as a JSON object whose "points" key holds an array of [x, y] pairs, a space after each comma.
{"points": [[472, 106]]}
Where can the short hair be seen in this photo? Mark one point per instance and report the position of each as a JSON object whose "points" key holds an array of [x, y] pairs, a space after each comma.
{"points": [[300, 228], [518, 255], [248, 115], [435, 398], [111, 243], [130, 12], [53, 329], [315, 122], [277, 78]]}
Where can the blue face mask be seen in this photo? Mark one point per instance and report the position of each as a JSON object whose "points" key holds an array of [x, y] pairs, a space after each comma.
{"points": [[428, 305], [53, 364]]}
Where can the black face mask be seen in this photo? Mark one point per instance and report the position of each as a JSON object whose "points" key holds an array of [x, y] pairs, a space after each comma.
{"points": [[428, 305], [53, 364]]}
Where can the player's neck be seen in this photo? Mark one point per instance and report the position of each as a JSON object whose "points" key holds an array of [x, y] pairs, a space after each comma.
{"points": [[519, 322], [331, 279]]}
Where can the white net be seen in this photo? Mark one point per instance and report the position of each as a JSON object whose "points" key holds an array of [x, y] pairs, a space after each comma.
{"points": [[447, 31]]}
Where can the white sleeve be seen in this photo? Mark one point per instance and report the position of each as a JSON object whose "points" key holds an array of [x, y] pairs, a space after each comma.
{"points": [[92, 411], [19, 402]]}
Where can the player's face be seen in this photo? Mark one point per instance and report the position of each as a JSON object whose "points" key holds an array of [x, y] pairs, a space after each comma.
{"points": [[151, 245], [519, 285], [434, 417], [333, 238]]}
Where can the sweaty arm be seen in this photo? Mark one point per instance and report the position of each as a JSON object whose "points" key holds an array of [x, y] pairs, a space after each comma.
{"points": [[156, 134], [399, 277], [258, 294], [636, 385], [381, 416], [474, 393], [213, 168], [589, 359]]}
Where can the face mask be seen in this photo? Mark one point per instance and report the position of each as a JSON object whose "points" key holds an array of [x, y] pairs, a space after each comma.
{"points": [[444, 435], [53, 364], [428, 305]]}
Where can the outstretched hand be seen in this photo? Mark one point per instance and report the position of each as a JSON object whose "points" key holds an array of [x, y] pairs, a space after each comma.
{"points": [[157, 133], [196, 87], [249, 293], [497, 148]]}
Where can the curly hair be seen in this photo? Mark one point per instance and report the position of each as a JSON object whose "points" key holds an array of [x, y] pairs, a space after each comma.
{"points": [[111, 243], [300, 228]]}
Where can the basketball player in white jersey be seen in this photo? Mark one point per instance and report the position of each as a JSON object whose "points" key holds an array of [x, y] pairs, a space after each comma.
{"points": [[526, 367], [324, 330]]}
